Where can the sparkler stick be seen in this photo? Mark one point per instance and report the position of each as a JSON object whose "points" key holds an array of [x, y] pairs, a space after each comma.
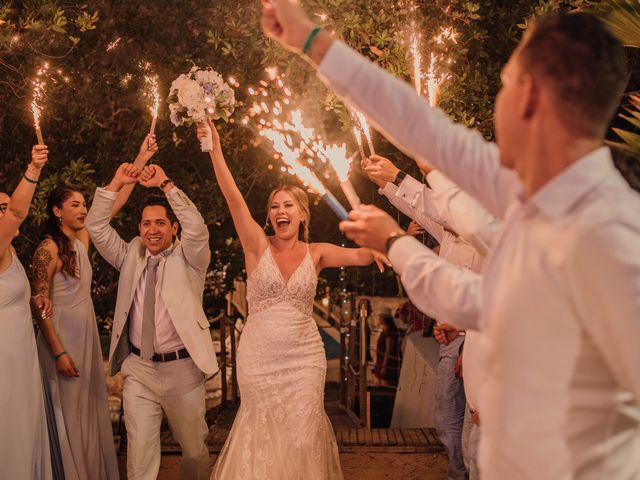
{"points": [[358, 136]]}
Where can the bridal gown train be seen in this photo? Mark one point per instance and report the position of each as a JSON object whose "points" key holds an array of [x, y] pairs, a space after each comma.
{"points": [[281, 431]]}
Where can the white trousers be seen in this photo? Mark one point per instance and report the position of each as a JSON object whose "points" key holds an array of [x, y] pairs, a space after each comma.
{"points": [[177, 388]]}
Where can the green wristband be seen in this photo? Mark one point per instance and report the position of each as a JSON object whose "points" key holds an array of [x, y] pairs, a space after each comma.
{"points": [[311, 38], [60, 354], [35, 182]]}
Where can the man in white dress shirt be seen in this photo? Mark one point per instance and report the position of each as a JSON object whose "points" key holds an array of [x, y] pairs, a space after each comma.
{"points": [[160, 338], [436, 210], [465, 231], [563, 275]]}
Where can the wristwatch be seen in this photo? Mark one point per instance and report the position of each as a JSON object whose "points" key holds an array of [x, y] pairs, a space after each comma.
{"points": [[392, 238], [399, 177], [165, 183]]}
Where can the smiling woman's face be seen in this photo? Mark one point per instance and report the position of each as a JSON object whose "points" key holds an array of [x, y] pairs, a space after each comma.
{"points": [[285, 215], [73, 211]]}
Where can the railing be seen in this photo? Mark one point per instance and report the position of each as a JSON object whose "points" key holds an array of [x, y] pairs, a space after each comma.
{"points": [[236, 308]]}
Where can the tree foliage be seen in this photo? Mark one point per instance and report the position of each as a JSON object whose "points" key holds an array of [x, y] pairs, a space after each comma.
{"points": [[98, 119]]}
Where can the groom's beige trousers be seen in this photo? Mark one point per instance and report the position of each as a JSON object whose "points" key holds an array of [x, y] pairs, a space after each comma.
{"points": [[177, 388]]}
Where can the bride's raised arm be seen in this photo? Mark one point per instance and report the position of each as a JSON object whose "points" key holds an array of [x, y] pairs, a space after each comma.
{"points": [[252, 236]]}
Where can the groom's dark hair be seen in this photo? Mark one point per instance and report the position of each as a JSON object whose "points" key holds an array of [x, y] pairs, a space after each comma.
{"points": [[161, 201]]}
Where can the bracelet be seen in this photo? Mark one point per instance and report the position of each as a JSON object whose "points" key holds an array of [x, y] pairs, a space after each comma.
{"points": [[29, 179], [165, 183], [311, 38], [60, 354]]}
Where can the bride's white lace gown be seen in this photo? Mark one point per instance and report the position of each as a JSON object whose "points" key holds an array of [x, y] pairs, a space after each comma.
{"points": [[281, 431]]}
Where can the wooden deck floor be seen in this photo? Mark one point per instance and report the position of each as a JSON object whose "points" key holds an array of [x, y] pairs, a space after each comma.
{"points": [[350, 438]]}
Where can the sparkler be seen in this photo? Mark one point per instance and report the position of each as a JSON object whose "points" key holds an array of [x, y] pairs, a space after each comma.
{"points": [[356, 133], [291, 157], [432, 82], [291, 139], [364, 125], [337, 157], [36, 102], [113, 44], [417, 59], [151, 83]]}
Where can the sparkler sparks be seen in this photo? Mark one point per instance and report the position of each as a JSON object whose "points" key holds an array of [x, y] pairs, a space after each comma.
{"points": [[417, 59], [337, 156], [152, 93], [114, 44], [37, 99], [296, 144], [432, 82], [364, 126]]}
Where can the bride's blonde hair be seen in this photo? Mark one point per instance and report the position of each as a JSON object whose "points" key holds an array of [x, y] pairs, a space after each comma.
{"points": [[301, 200]]}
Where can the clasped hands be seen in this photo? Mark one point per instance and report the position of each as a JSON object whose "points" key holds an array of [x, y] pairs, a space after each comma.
{"points": [[149, 176]]}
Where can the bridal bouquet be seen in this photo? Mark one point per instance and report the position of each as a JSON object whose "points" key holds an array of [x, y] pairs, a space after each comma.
{"points": [[198, 95]]}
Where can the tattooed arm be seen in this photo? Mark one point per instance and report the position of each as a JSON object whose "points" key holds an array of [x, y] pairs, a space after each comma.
{"points": [[45, 264], [44, 267]]}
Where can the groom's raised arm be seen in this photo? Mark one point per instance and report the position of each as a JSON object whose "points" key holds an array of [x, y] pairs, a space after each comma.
{"points": [[105, 238], [195, 234]]}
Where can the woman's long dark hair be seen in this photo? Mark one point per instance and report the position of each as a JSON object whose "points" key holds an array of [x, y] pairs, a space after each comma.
{"points": [[53, 230]]}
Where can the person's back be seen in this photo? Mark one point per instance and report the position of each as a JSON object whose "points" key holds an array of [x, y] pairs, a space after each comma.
{"points": [[571, 400]]}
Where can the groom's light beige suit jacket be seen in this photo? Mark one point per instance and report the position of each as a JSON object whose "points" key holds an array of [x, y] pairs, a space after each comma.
{"points": [[181, 277]]}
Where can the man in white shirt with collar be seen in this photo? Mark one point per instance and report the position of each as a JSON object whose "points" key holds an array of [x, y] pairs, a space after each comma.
{"points": [[435, 210], [464, 231], [563, 275], [160, 338]]}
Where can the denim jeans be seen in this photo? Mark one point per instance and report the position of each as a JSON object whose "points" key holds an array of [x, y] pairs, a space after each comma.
{"points": [[449, 409]]}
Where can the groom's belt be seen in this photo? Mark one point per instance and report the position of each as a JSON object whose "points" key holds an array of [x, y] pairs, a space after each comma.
{"points": [[164, 357]]}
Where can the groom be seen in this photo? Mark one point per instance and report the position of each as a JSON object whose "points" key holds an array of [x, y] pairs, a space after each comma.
{"points": [[160, 339]]}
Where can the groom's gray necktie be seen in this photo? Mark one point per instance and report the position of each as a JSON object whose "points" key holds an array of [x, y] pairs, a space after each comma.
{"points": [[149, 309]]}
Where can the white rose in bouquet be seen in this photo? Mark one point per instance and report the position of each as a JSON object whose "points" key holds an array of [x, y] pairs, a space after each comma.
{"points": [[199, 95]]}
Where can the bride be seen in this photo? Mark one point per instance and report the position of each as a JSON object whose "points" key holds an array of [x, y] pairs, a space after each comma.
{"points": [[281, 431]]}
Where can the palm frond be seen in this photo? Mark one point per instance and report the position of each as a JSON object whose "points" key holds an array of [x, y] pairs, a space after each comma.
{"points": [[622, 17], [631, 139]]}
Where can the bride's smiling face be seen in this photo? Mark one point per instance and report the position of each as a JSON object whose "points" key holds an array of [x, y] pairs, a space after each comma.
{"points": [[285, 215]]}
